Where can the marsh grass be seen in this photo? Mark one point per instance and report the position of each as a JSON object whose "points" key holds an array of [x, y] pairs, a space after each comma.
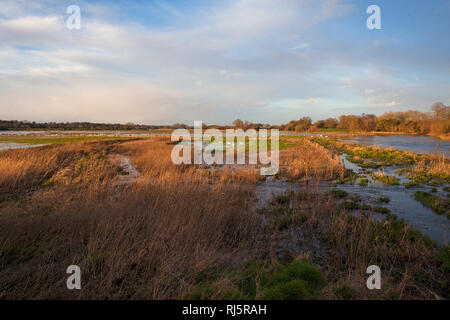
{"points": [[60, 139], [435, 203], [373, 156], [193, 231], [150, 239], [385, 179], [363, 182], [435, 171], [298, 280], [308, 160], [355, 242]]}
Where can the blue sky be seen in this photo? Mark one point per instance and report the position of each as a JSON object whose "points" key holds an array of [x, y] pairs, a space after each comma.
{"points": [[270, 61]]}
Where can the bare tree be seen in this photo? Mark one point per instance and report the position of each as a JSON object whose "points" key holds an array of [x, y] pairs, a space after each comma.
{"points": [[238, 123]]}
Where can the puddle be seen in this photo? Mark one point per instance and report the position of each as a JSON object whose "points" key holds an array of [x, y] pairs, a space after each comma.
{"points": [[11, 145], [130, 173]]}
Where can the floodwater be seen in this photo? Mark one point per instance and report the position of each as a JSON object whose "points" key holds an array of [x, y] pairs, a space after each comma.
{"points": [[417, 144], [402, 202], [11, 145], [86, 133]]}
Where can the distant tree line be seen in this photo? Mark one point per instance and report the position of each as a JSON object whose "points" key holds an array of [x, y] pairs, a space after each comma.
{"points": [[437, 121], [27, 125]]}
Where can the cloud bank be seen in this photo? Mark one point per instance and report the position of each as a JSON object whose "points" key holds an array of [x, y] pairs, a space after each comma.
{"points": [[161, 63]]}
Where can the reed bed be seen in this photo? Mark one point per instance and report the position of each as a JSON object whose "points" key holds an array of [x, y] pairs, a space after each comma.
{"points": [[151, 239], [308, 160]]}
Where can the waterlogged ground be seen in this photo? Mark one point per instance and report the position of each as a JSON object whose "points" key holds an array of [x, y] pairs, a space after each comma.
{"points": [[13, 145], [34, 138], [397, 198], [61, 133], [417, 144], [402, 204], [401, 201], [135, 237]]}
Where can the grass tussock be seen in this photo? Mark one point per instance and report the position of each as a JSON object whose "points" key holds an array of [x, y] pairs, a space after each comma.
{"points": [[385, 179], [308, 160], [435, 203], [22, 170], [298, 280], [435, 171]]}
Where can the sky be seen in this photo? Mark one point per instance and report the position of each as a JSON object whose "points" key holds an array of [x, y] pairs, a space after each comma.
{"points": [[267, 61]]}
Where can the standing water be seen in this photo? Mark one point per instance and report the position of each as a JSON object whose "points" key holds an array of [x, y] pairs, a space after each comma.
{"points": [[417, 144]]}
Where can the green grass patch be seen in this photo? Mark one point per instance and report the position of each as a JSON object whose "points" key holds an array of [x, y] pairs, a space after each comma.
{"points": [[51, 140], [422, 176], [412, 184], [280, 200], [435, 203], [345, 292], [354, 205], [258, 280], [349, 178], [368, 156], [363, 182], [381, 177], [366, 164], [384, 200], [338, 194]]}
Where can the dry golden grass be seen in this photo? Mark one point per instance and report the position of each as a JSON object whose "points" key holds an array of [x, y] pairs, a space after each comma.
{"points": [[24, 169], [150, 239], [309, 160], [436, 166]]}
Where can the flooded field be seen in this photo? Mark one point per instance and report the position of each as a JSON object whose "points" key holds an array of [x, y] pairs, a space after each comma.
{"points": [[401, 199], [397, 197], [61, 133], [12, 145], [417, 144], [125, 195]]}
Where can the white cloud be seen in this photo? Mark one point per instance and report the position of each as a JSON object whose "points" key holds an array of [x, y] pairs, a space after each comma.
{"points": [[230, 59]]}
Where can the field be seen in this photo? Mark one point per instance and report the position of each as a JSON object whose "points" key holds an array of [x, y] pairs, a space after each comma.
{"points": [[160, 231]]}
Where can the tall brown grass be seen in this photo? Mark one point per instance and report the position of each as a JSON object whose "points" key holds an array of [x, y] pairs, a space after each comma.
{"points": [[151, 239], [24, 169], [178, 226], [309, 160]]}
